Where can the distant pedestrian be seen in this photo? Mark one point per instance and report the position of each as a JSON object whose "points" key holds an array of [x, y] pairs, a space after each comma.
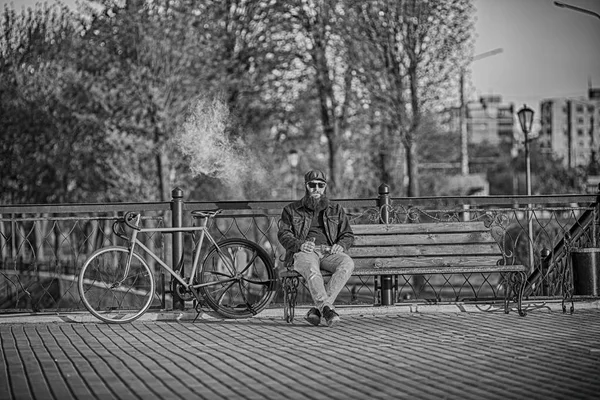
{"points": [[316, 234]]}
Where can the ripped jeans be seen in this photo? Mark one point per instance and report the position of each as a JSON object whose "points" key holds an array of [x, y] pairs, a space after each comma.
{"points": [[309, 265]]}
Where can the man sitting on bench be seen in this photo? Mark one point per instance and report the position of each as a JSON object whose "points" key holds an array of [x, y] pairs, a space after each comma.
{"points": [[316, 234]]}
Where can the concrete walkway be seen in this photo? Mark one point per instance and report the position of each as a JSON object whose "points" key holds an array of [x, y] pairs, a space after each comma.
{"points": [[441, 354]]}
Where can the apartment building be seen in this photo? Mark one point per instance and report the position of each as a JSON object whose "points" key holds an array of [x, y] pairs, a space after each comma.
{"points": [[489, 121], [570, 128]]}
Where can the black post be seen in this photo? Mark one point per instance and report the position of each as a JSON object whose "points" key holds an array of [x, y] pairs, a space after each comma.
{"points": [[596, 224], [545, 265], [383, 202], [177, 240]]}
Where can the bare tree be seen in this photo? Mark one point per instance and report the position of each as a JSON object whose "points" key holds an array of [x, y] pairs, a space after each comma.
{"points": [[410, 52], [327, 55]]}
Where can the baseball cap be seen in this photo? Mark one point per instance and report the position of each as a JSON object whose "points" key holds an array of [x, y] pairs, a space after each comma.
{"points": [[315, 175]]}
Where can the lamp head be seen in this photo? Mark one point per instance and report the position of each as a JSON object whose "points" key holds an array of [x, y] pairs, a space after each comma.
{"points": [[525, 115], [293, 158]]}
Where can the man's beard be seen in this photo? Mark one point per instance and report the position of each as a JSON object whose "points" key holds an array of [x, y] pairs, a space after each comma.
{"points": [[316, 203]]}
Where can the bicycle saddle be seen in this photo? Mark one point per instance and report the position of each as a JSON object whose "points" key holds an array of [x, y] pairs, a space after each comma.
{"points": [[205, 213]]}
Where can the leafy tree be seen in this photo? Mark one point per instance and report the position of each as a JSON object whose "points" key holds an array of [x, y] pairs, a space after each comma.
{"points": [[118, 82], [40, 162], [548, 176]]}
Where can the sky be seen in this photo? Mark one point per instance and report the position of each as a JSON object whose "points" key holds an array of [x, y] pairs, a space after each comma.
{"points": [[547, 51]]}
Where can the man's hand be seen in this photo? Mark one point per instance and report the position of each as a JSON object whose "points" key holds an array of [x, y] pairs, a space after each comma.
{"points": [[336, 248], [307, 247]]}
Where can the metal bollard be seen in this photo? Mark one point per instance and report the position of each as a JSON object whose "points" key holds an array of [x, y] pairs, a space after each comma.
{"points": [[383, 202], [177, 240], [545, 253]]}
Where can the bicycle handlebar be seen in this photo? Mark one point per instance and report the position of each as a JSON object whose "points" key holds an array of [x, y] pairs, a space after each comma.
{"points": [[131, 216]]}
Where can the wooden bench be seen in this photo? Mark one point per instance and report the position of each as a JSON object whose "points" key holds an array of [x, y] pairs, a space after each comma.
{"points": [[387, 251]]}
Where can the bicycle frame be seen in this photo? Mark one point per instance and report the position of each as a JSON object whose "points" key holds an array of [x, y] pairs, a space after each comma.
{"points": [[133, 242]]}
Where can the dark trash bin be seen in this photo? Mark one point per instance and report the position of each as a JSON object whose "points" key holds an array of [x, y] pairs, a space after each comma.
{"points": [[586, 271]]}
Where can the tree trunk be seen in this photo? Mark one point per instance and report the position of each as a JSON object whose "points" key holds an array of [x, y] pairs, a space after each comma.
{"points": [[162, 170], [411, 153], [328, 119], [388, 157], [334, 164], [412, 169]]}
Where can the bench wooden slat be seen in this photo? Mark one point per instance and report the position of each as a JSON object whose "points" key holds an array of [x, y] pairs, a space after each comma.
{"points": [[427, 238], [426, 270], [440, 270], [431, 261], [429, 250], [425, 227]]}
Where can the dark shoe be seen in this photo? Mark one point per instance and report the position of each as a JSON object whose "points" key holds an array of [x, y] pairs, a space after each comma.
{"points": [[331, 317], [313, 316]]}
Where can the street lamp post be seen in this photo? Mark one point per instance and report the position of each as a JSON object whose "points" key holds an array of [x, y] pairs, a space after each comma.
{"points": [[525, 115], [575, 8], [293, 159]]}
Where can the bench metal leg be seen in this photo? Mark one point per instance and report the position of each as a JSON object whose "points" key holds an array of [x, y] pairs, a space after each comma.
{"points": [[522, 281], [566, 282], [290, 292], [506, 283], [517, 282]]}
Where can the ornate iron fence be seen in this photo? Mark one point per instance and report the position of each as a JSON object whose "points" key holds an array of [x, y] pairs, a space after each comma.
{"points": [[42, 246]]}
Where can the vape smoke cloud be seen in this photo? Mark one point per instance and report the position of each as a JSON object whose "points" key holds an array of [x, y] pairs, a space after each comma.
{"points": [[205, 142]]}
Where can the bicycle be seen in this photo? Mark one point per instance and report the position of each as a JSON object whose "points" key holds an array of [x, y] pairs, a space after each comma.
{"points": [[236, 277]]}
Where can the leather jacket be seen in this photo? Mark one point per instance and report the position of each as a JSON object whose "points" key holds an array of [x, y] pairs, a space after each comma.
{"points": [[295, 224]]}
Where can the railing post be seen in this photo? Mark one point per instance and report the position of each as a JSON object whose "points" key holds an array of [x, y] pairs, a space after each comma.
{"points": [[595, 225], [383, 202], [545, 253], [177, 240]]}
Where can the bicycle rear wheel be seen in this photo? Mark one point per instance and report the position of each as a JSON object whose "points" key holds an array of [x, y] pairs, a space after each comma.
{"points": [[110, 295], [239, 277]]}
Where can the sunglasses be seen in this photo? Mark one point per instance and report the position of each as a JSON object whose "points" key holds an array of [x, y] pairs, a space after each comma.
{"points": [[313, 185]]}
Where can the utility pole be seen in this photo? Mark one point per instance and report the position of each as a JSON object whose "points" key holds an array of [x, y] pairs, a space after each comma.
{"points": [[464, 139]]}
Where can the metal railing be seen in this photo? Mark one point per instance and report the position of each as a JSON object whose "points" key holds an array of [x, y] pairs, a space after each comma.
{"points": [[43, 246]]}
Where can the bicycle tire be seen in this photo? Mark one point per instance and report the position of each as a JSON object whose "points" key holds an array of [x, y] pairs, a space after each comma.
{"points": [[244, 291], [113, 303]]}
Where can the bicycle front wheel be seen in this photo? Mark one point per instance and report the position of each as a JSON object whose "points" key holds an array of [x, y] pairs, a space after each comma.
{"points": [[238, 278], [111, 294]]}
